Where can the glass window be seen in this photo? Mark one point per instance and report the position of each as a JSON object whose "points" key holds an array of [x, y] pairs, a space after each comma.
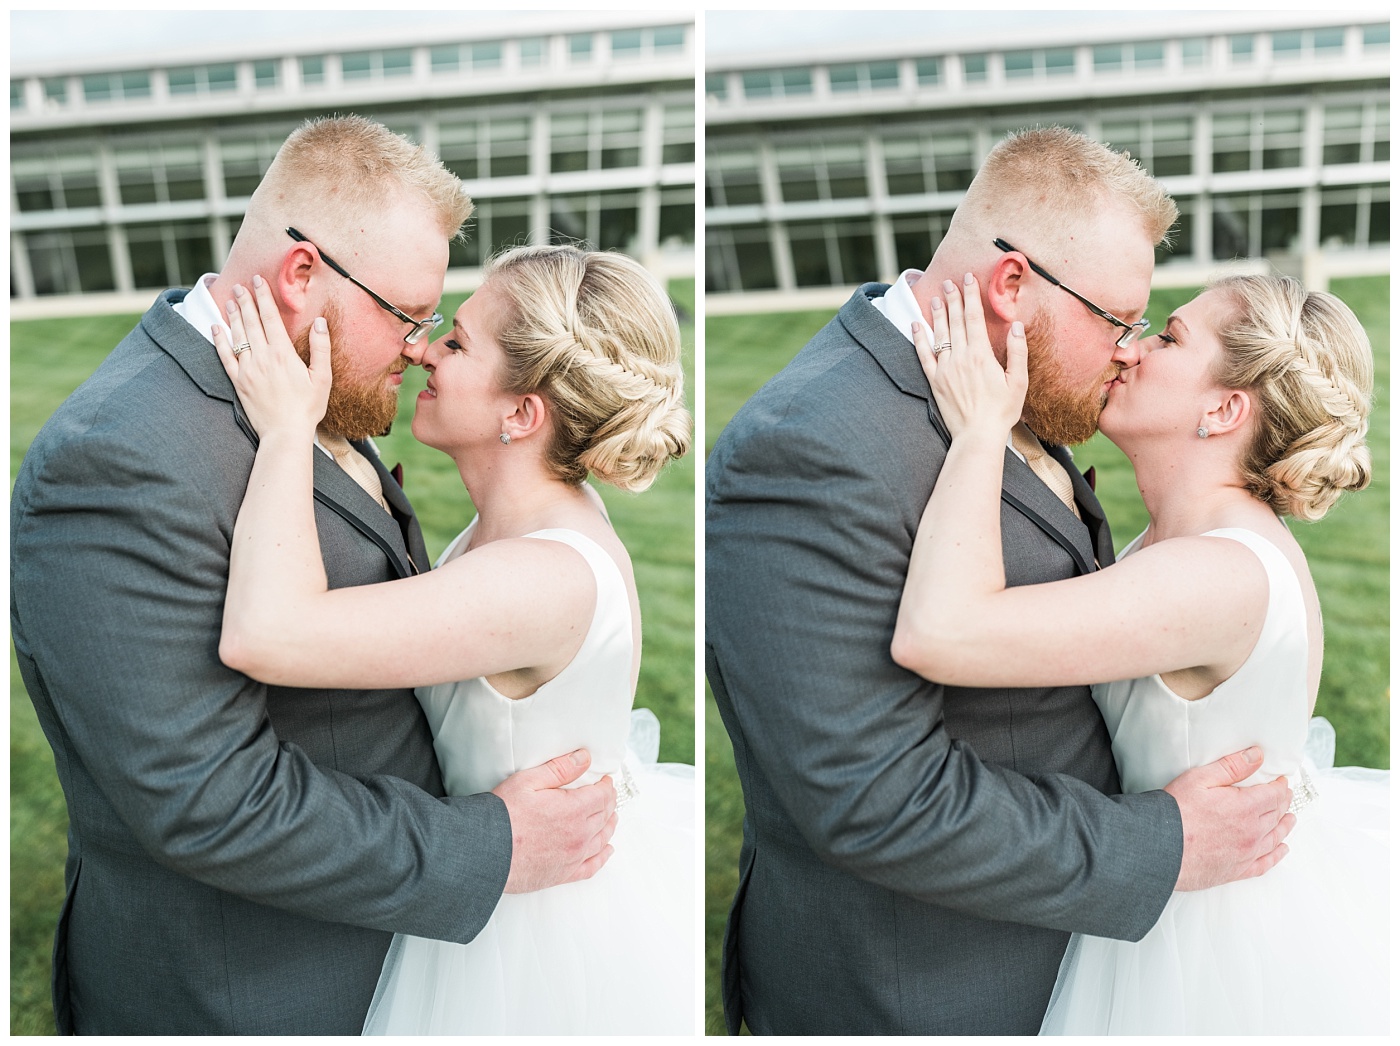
{"points": [[717, 86], [905, 170], [916, 237], [183, 81], [486, 55], [676, 217], [1172, 151], [1282, 139], [1341, 134], [1149, 55], [222, 77], [974, 68], [568, 134], [1059, 62], [732, 178], [1288, 46], [1193, 53], [266, 74], [1231, 132], [884, 76], [1376, 37], [112, 87], [1108, 58], [495, 226], [397, 63], [508, 147], [621, 139], [1241, 49], [244, 161], [357, 66], [581, 47], [135, 85], [739, 257], [627, 43], [929, 71], [669, 39], [532, 51], [1339, 219], [16, 94], [1180, 243], [33, 186], [1328, 43], [1278, 222], [313, 70], [442, 60], [953, 162], [1019, 64], [795, 81], [98, 88], [797, 172], [678, 135], [56, 91], [70, 262], [844, 77]]}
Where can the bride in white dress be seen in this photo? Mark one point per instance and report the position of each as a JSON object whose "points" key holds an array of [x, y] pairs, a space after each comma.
{"points": [[524, 641], [1250, 406]]}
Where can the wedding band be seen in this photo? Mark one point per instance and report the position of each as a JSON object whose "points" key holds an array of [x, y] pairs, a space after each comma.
{"points": [[942, 346], [241, 348]]}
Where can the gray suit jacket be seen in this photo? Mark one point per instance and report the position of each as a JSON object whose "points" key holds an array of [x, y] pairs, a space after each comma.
{"points": [[914, 855], [238, 855]]}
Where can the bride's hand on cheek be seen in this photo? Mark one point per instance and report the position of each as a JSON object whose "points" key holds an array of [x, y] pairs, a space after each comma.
{"points": [[278, 392], [974, 393]]}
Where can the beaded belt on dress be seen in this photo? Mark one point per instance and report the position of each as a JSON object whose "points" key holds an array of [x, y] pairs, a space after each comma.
{"points": [[626, 785], [1304, 792]]}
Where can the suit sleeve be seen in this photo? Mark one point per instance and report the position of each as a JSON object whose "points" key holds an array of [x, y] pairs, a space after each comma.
{"points": [[119, 568], [806, 554]]}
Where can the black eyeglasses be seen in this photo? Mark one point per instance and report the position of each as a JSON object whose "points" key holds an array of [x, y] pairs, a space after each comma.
{"points": [[1130, 330], [420, 327]]}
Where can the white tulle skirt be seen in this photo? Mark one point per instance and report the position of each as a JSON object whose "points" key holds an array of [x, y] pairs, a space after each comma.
{"points": [[614, 955], [1301, 950]]}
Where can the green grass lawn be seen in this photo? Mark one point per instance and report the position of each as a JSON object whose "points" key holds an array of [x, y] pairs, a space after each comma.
{"points": [[1349, 552], [50, 358]]}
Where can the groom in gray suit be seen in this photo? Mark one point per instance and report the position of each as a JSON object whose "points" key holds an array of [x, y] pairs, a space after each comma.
{"points": [[916, 855], [239, 854]]}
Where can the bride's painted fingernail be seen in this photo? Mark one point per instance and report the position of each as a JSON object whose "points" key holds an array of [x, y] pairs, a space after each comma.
{"points": [[320, 324], [950, 286], [230, 307], [1018, 329], [936, 305], [238, 290], [257, 280], [969, 279]]}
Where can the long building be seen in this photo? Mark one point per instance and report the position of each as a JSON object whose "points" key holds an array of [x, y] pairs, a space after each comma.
{"points": [[133, 174], [1271, 131]]}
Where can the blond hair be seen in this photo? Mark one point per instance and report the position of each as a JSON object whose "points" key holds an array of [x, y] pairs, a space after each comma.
{"points": [[594, 333], [350, 167], [1307, 361], [1051, 178]]}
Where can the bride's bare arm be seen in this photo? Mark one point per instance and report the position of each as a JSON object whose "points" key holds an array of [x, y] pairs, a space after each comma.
{"points": [[509, 605], [1183, 603]]}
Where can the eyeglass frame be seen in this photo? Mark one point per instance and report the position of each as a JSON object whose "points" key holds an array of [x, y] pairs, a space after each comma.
{"points": [[1131, 331], [420, 327]]}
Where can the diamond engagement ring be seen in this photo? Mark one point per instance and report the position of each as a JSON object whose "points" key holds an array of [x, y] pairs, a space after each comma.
{"points": [[241, 348], [942, 346]]}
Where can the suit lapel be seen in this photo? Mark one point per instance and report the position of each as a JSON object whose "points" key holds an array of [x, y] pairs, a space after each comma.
{"points": [[403, 513], [1099, 535], [333, 488], [1021, 488]]}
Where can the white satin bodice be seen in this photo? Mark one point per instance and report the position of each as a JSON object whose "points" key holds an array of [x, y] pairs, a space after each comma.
{"points": [[482, 737], [1157, 735]]}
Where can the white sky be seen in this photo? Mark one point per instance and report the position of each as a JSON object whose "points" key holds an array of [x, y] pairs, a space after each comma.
{"points": [[38, 35]]}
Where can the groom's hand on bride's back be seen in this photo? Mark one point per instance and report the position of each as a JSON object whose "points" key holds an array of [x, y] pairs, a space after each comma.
{"points": [[558, 835], [1230, 833]]}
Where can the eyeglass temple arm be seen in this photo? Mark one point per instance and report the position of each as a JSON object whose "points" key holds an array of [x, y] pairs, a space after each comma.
{"points": [[1003, 245]]}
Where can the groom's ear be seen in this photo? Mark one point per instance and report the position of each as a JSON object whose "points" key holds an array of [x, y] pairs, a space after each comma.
{"points": [[292, 285], [1006, 289]]}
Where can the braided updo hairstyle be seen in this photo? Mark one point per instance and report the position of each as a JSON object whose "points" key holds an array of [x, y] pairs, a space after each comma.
{"points": [[595, 335], [1308, 362]]}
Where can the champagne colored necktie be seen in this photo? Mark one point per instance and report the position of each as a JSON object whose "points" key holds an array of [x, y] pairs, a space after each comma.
{"points": [[1050, 471], [356, 466]]}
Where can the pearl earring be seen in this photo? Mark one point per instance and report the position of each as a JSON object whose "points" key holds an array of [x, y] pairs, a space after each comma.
{"points": [[1199, 432], [505, 438]]}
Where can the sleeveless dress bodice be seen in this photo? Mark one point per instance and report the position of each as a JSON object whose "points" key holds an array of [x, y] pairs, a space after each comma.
{"points": [[1158, 735], [482, 737], [610, 955], [1301, 949]]}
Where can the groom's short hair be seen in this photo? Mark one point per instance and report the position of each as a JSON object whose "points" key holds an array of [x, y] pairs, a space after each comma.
{"points": [[1054, 177], [349, 166]]}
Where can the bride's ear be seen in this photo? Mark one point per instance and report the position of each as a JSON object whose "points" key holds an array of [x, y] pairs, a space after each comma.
{"points": [[528, 418], [1233, 412]]}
